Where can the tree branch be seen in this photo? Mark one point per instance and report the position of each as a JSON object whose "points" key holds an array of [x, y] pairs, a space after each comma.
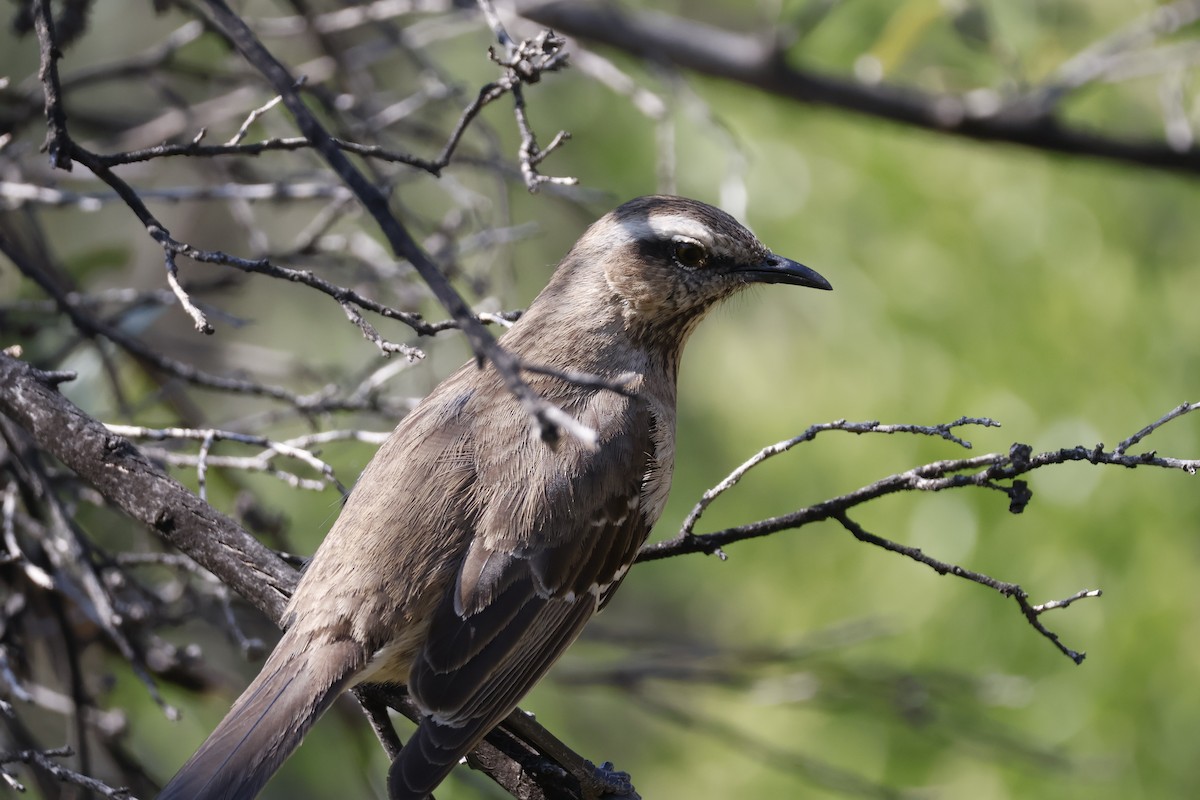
{"points": [[760, 62], [128, 480], [1000, 472], [548, 418]]}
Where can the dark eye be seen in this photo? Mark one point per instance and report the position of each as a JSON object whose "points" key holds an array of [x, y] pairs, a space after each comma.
{"points": [[689, 254]]}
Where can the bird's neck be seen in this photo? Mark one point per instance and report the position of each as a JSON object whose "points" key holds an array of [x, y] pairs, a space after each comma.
{"points": [[580, 325], [579, 322]]}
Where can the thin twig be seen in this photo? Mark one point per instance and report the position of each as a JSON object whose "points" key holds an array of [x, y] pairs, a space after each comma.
{"points": [[42, 759], [249, 646], [1012, 590], [1179, 411], [994, 471], [262, 462], [201, 462], [184, 300], [945, 431], [386, 347], [251, 118], [548, 419], [19, 195], [997, 471], [349, 18], [525, 62], [1051, 605]]}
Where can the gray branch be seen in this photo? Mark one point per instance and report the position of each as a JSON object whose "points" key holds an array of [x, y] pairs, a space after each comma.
{"points": [[760, 61]]}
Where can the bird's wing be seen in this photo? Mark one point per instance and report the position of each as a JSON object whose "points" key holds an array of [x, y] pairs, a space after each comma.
{"points": [[551, 545]]}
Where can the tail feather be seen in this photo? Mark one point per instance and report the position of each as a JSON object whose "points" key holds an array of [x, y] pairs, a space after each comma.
{"points": [[428, 757], [268, 722]]}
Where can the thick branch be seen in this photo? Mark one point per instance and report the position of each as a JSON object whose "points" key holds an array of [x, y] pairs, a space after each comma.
{"points": [[128, 480], [758, 61]]}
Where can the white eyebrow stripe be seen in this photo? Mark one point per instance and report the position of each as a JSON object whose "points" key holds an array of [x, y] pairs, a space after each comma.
{"points": [[667, 226]]}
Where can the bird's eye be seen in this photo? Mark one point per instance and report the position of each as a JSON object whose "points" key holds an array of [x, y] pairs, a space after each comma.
{"points": [[689, 254]]}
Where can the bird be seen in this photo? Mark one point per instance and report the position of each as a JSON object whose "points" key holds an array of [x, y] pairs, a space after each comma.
{"points": [[470, 552]]}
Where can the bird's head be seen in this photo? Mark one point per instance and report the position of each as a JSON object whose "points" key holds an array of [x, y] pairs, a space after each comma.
{"points": [[666, 260]]}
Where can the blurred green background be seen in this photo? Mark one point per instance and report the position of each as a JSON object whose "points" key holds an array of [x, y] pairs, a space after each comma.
{"points": [[1056, 295]]}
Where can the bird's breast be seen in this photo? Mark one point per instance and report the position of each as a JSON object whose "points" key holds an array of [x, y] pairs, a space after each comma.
{"points": [[657, 483]]}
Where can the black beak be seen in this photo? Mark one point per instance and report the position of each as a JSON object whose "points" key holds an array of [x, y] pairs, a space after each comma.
{"points": [[777, 269]]}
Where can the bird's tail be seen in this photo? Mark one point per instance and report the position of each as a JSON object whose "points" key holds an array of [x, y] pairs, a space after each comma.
{"points": [[428, 756], [296, 685]]}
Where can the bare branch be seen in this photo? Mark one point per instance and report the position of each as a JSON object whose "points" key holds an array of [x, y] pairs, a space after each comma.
{"points": [[18, 195], [296, 448], [173, 281], [57, 140], [131, 482], [1050, 605], [386, 348], [944, 431], [525, 62], [42, 759], [1179, 411], [998, 471], [994, 471], [945, 568], [757, 60], [549, 420], [251, 118]]}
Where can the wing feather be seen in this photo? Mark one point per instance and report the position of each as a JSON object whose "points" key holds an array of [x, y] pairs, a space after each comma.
{"points": [[531, 579]]}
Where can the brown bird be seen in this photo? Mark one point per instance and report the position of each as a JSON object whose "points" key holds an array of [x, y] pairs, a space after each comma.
{"points": [[470, 553]]}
